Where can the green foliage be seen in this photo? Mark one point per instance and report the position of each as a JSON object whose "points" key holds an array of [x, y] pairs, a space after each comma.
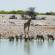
{"points": [[3, 12], [50, 13], [30, 12], [11, 12], [19, 12]]}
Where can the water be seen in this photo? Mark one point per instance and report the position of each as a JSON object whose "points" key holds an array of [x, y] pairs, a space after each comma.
{"points": [[21, 47]]}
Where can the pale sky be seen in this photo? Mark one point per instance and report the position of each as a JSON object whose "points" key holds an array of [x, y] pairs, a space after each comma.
{"points": [[40, 5]]}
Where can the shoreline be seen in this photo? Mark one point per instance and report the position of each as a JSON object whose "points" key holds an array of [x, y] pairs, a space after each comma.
{"points": [[17, 31]]}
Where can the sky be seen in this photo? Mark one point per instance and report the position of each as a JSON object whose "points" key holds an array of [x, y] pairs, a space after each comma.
{"points": [[39, 5]]}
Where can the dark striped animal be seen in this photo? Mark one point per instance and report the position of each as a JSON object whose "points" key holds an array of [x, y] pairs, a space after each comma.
{"points": [[50, 37], [11, 38], [40, 37], [13, 17]]}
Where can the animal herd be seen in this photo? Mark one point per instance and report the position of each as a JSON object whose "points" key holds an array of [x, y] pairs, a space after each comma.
{"points": [[27, 24], [38, 37]]}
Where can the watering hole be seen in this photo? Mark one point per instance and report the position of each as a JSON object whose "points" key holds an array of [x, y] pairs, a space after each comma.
{"points": [[22, 47], [12, 27]]}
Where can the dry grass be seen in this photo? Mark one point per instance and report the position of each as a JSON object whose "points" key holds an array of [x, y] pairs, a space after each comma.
{"points": [[13, 27]]}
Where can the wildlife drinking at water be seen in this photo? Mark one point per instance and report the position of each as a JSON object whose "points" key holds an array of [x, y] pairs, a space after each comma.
{"points": [[27, 27]]}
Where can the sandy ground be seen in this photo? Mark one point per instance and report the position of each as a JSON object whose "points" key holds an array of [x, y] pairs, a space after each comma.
{"points": [[12, 27]]}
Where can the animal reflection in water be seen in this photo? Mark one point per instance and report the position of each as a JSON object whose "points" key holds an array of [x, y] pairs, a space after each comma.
{"points": [[27, 25], [39, 43], [27, 47], [50, 43]]}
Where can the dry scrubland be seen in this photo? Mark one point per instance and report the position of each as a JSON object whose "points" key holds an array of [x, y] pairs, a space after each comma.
{"points": [[12, 27]]}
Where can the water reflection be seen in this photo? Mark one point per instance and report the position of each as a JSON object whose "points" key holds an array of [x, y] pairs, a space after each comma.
{"points": [[39, 43], [27, 47], [16, 40], [0, 42], [22, 47], [50, 43], [11, 42]]}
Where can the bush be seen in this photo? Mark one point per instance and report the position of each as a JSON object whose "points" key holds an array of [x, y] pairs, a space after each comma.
{"points": [[31, 13], [50, 13]]}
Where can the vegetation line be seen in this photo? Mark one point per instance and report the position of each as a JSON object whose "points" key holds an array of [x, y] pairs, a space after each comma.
{"points": [[21, 12]]}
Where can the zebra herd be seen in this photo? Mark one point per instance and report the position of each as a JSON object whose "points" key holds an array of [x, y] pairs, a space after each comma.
{"points": [[38, 37], [27, 24]]}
